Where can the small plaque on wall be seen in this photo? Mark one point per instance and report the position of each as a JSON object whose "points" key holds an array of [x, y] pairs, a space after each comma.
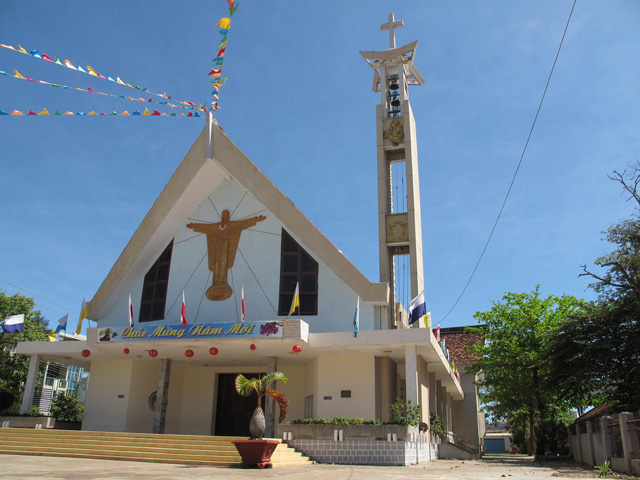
{"points": [[328, 397], [345, 393]]}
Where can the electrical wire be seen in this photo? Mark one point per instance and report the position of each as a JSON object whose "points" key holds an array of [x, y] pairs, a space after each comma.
{"points": [[515, 174]]}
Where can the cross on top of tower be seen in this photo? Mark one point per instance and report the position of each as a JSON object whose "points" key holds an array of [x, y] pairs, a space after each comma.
{"points": [[391, 26]]}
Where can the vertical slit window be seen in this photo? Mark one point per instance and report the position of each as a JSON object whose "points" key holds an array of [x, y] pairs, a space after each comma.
{"points": [[297, 266], [154, 290]]}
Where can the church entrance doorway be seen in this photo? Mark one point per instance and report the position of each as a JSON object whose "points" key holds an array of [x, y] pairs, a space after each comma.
{"points": [[233, 411]]}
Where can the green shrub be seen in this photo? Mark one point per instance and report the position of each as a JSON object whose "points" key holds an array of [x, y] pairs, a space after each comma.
{"points": [[437, 427], [405, 414], [66, 408]]}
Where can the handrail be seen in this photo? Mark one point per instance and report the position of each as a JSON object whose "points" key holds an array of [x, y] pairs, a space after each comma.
{"points": [[463, 443]]}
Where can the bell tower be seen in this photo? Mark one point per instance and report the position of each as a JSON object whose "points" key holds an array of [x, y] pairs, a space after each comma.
{"points": [[399, 218]]}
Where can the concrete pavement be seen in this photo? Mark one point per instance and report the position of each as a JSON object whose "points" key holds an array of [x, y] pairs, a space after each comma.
{"points": [[508, 467]]}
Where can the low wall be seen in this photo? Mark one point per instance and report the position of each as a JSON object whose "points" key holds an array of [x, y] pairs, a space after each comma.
{"points": [[375, 432], [366, 451], [28, 422]]}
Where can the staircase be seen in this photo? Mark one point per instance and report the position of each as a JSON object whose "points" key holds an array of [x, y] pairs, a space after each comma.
{"points": [[463, 444], [136, 447]]}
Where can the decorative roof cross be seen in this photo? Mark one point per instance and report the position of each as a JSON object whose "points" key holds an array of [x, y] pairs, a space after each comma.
{"points": [[391, 26]]}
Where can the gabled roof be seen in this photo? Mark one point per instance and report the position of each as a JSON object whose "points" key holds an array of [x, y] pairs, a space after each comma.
{"points": [[212, 159]]}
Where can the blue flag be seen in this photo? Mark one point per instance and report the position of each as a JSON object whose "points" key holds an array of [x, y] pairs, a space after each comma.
{"points": [[356, 319], [13, 324], [417, 308]]}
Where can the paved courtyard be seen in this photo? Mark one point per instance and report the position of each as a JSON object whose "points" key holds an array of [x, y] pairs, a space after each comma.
{"points": [[508, 467]]}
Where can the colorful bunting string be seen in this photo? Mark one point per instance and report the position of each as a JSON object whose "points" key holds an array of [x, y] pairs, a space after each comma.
{"points": [[146, 112], [190, 105], [90, 71], [216, 64]]}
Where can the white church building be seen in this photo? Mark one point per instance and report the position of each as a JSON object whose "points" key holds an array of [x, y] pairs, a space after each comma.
{"points": [[220, 229]]}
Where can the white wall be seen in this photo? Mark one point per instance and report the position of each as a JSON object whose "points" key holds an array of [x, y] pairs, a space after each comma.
{"points": [[355, 373], [144, 381], [104, 411], [197, 400], [262, 253]]}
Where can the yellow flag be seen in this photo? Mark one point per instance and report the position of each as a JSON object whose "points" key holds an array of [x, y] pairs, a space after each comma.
{"points": [[83, 314], [52, 335], [44, 112], [295, 302]]}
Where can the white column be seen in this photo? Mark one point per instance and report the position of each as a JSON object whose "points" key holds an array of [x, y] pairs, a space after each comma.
{"points": [[270, 403], [30, 384], [411, 372]]}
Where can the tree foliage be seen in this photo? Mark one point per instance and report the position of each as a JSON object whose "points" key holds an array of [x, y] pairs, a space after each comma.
{"points": [[597, 352], [14, 367], [67, 408], [514, 361]]}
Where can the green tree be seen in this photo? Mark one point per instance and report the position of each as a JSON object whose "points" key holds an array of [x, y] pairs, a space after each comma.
{"points": [[597, 351], [14, 367], [514, 362], [67, 408]]}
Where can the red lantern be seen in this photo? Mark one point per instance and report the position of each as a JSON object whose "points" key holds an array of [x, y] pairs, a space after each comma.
{"points": [[126, 352], [297, 349], [86, 353], [253, 347], [188, 354], [153, 353], [213, 351]]}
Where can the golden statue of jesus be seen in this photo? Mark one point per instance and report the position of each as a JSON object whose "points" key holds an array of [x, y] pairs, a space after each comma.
{"points": [[222, 243]]}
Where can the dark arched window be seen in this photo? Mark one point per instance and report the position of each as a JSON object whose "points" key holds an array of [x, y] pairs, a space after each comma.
{"points": [[297, 266], [154, 290]]}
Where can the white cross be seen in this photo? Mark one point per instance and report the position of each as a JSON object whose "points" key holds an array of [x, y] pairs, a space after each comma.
{"points": [[391, 26]]}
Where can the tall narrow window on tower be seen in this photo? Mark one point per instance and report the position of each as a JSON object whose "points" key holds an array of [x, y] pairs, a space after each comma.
{"points": [[297, 267], [154, 290]]}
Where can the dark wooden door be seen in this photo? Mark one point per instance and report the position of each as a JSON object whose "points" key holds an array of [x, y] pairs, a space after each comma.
{"points": [[233, 412]]}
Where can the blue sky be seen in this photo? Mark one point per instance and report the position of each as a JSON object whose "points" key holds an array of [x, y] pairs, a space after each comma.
{"points": [[298, 102]]}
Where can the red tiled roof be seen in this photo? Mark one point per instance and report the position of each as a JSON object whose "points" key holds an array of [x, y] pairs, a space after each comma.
{"points": [[595, 412], [456, 340]]}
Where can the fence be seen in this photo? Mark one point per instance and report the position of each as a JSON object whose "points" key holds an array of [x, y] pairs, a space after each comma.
{"points": [[613, 438]]}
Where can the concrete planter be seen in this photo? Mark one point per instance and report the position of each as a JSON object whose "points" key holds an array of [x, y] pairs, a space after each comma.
{"points": [[28, 422], [68, 425], [378, 432]]}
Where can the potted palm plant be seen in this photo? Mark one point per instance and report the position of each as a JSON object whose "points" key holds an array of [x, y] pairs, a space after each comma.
{"points": [[256, 451]]}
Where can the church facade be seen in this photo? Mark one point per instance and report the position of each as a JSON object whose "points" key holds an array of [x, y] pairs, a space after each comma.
{"points": [[225, 242]]}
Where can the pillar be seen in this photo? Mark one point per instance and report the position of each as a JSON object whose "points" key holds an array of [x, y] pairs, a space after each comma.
{"points": [[30, 384], [592, 450], [162, 396], [411, 373], [270, 403], [627, 446], [606, 438]]}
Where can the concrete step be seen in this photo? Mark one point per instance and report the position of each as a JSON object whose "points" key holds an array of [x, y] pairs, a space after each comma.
{"points": [[143, 447]]}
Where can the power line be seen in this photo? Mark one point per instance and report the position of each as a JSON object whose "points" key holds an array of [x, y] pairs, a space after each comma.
{"points": [[519, 164]]}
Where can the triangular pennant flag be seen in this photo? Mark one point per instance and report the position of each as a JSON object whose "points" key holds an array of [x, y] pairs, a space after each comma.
{"points": [[91, 71], [80, 69], [21, 50], [17, 112], [44, 112], [47, 58], [17, 75], [146, 112], [224, 23], [68, 64], [58, 62]]}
